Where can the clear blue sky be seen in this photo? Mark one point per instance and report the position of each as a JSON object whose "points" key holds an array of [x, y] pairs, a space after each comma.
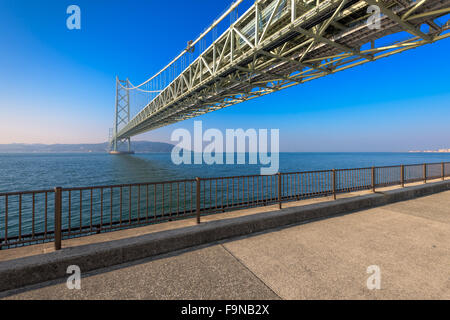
{"points": [[57, 85]]}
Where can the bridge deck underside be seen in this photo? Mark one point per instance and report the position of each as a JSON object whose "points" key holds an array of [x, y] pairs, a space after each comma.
{"points": [[292, 43]]}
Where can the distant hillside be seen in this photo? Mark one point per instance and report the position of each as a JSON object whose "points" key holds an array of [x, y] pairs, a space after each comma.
{"points": [[137, 146]]}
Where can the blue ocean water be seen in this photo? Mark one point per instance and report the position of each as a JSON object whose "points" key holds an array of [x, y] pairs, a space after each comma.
{"points": [[21, 172]]}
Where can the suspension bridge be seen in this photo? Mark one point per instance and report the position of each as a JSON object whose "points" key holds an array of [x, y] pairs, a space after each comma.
{"points": [[273, 45]]}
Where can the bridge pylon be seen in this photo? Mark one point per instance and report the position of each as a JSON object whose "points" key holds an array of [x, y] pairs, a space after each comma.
{"points": [[122, 117]]}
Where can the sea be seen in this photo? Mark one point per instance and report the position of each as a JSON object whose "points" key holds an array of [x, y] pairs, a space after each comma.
{"points": [[23, 172]]}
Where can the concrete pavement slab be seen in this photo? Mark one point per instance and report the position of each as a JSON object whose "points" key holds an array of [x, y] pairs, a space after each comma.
{"points": [[205, 273], [329, 258], [435, 207]]}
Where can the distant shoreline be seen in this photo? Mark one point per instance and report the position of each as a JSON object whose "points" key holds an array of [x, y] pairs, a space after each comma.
{"points": [[138, 147], [73, 152], [431, 151]]}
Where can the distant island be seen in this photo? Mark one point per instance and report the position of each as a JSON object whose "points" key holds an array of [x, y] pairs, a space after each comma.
{"points": [[432, 151], [137, 146]]}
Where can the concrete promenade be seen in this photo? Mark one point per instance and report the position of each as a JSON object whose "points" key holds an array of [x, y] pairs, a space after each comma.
{"points": [[327, 258]]}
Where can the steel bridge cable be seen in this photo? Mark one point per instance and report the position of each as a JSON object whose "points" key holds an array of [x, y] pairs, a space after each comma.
{"points": [[233, 6]]}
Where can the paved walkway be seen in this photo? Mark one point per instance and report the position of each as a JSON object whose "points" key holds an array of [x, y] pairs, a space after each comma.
{"points": [[409, 241]]}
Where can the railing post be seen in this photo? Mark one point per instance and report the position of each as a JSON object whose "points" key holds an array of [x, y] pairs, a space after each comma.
{"points": [[424, 173], [443, 170], [197, 182], [57, 223], [402, 175], [373, 179], [279, 190], [334, 184]]}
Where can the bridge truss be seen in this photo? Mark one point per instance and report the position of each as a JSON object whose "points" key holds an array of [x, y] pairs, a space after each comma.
{"points": [[277, 44]]}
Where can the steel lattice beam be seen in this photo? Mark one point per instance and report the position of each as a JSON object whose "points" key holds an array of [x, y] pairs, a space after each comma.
{"points": [[296, 42]]}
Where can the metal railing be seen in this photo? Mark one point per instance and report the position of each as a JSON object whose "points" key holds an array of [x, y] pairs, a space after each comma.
{"points": [[62, 213]]}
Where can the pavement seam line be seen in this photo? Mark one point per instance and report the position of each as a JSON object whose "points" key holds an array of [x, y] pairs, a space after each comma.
{"points": [[243, 264]]}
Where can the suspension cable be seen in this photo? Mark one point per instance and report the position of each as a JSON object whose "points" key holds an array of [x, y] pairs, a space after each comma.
{"points": [[211, 27]]}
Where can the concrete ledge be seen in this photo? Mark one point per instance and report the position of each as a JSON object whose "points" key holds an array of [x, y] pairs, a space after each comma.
{"points": [[35, 269]]}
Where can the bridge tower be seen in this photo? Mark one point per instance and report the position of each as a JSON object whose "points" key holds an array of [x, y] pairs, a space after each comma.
{"points": [[122, 117]]}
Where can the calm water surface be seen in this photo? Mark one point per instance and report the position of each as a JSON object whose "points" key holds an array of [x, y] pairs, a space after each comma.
{"points": [[20, 172]]}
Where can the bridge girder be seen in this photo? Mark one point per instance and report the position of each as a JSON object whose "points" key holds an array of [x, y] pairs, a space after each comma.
{"points": [[297, 42]]}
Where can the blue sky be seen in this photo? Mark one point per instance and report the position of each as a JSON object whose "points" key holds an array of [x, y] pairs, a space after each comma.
{"points": [[58, 85]]}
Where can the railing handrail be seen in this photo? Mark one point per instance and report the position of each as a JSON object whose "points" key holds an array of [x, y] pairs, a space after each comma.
{"points": [[126, 185], [18, 193]]}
